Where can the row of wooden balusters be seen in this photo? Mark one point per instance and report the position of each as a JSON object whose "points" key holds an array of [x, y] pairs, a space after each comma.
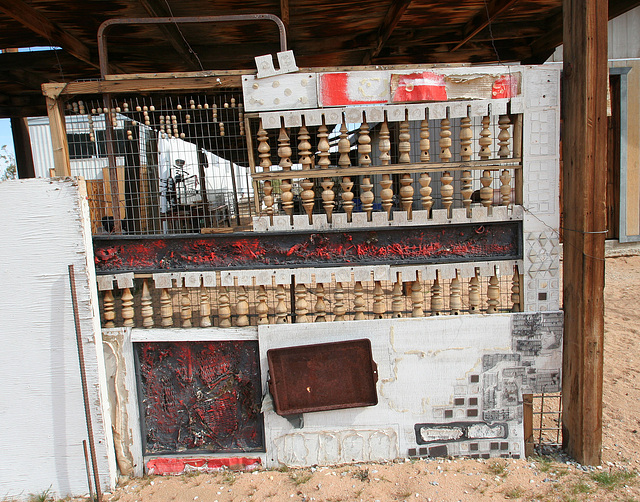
{"points": [[406, 193], [237, 313]]}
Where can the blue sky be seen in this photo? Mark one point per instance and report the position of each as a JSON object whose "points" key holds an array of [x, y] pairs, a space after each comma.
{"points": [[5, 138]]}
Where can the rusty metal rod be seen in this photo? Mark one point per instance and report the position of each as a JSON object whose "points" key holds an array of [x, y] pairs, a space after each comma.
{"points": [[87, 468], [102, 38], [83, 377]]}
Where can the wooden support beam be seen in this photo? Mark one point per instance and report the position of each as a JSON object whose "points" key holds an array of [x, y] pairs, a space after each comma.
{"points": [[58, 128], [390, 22], [584, 148], [22, 146], [483, 18], [40, 24], [284, 13], [171, 32]]}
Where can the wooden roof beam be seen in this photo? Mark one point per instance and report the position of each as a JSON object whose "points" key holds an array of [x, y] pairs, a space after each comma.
{"points": [[156, 9], [389, 24], [482, 19], [40, 24]]}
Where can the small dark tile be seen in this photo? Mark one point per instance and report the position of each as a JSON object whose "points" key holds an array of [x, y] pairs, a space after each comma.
{"points": [[448, 413], [504, 455], [504, 446], [473, 401], [438, 451], [515, 455], [542, 296], [458, 401], [475, 378], [473, 447], [475, 455], [423, 451], [412, 452], [485, 455], [472, 413], [494, 446]]}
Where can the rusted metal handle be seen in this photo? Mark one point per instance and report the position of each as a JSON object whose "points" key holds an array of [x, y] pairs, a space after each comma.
{"points": [[102, 38]]}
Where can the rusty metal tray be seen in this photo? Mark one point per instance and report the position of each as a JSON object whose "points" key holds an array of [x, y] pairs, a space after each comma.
{"points": [[320, 377]]}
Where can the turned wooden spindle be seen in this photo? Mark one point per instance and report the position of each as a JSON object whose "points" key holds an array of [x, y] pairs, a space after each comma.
{"points": [[284, 153], [425, 142], [308, 197], [166, 308], [516, 298], [224, 308], [339, 310], [445, 140], [268, 200], [301, 306], [364, 145], [205, 307], [281, 306], [344, 146], [397, 302], [466, 190], [425, 192], [386, 192], [264, 149], [109, 309], [466, 137], [185, 308], [328, 197], [474, 294], [366, 196], [406, 194], [127, 308], [437, 300], [358, 301], [241, 118], [287, 197], [505, 188], [486, 192], [485, 139], [262, 309], [417, 299], [503, 136], [323, 146], [446, 191], [242, 307], [347, 196], [321, 305], [455, 295], [304, 148], [379, 308], [404, 143], [493, 294]]}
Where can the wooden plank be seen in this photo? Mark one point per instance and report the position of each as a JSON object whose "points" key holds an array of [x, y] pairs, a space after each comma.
{"points": [[613, 160], [58, 137], [148, 85], [517, 153], [633, 153], [37, 22], [97, 204], [527, 422], [584, 153], [109, 196], [491, 165]]}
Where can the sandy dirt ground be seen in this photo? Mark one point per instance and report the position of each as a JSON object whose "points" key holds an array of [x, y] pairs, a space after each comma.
{"points": [[547, 478]]}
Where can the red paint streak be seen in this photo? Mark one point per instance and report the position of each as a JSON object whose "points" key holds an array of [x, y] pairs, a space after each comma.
{"points": [[168, 466], [425, 86], [334, 90], [505, 86]]}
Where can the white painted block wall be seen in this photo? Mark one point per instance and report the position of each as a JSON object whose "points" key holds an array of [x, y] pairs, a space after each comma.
{"points": [[45, 228]]}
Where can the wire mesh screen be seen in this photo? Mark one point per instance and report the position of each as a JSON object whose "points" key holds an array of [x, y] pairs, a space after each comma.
{"points": [[162, 164]]}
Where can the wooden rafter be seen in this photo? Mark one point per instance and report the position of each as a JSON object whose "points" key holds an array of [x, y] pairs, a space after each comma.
{"points": [[482, 19], [284, 12], [391, 20], [171, 32], [38, 23]]}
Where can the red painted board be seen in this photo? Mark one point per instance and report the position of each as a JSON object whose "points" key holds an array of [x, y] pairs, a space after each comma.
{"points": [[505, 86], [422, 86], [168, 466], [354, 88]]}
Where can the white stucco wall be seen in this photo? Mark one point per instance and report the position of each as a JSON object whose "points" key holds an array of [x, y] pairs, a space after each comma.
{"points": [[42, 422]]}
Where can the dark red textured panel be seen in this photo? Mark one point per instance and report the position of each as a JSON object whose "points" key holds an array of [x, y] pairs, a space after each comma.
{"points": [[420, 245], [324, 376], [200, 396]]}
